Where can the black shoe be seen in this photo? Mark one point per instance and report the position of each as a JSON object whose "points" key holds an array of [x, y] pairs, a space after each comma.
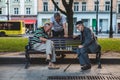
{"points": [[48, 60], [86, 67]]}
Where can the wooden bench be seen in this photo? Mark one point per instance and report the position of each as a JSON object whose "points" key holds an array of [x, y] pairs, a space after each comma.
{"points": [[62, 46]]}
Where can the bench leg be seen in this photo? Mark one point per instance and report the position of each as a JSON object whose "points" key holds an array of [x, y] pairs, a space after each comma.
{"points": [[98, 58], [27, 56], [27, 64]]}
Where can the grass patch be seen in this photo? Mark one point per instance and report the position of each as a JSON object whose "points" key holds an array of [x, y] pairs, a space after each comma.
{"points": [[16, 44], [12, 44], [110, 44]]}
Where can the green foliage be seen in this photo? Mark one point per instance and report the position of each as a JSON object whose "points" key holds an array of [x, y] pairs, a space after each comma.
{"points": [[110, 44], [12, 44]]}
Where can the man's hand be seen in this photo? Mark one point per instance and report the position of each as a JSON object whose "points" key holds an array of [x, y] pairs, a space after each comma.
{"points": [[65, 36], [80, 46], [75, 36]]}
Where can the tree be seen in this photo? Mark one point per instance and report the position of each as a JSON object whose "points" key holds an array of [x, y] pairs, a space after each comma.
{"points": [[68, 12]]}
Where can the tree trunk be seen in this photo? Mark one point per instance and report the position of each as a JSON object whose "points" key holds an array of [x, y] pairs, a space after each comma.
{"points": [[70, 24]]}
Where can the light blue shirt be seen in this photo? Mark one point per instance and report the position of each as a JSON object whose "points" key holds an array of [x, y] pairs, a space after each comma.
{"points": [[58, 26]]}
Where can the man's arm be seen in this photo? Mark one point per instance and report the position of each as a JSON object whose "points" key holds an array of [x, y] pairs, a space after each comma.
{"points": [[43, 39], [88, 38], [65, 30]]}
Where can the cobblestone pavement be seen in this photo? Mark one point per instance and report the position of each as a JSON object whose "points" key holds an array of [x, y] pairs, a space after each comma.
{"points": [[41, 71]]}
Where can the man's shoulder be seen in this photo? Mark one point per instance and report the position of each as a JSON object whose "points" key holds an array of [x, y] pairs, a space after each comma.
{"points": [[63, 17], [52, 18], [39, 29], [87, 28]]}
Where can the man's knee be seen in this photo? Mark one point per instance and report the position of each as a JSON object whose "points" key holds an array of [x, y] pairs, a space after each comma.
{"points": [[82, 51], [49, 41], [50, 44]]}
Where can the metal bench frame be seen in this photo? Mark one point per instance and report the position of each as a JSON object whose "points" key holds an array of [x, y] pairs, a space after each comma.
{"points": [[62, 46]]}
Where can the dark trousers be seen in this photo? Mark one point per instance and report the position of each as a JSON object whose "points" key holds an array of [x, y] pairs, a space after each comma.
{"points": [[83, 56], [58, 33]]}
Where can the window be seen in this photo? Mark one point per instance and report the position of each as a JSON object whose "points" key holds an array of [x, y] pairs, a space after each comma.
{"points": [[28, 10], [118, 8], [9, 25], [45, 6], [103, 25], [45, 20], [0, 10], [76, 6], [28, 0], [86, 22], [83, 6], [55, 9], [107, 6], [96, 7], [16, 11], [16, 0]]}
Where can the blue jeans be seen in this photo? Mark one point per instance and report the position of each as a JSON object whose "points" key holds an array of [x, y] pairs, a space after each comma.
{"points": [[83, 56]]}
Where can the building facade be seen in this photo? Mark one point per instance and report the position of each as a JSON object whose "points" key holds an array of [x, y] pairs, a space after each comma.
{"points": [[3, 10], [118, 15], [85, 10], [25, 10], [38, 12]]}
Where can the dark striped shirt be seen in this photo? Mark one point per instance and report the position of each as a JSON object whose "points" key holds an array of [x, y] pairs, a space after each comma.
{"points": [[37, 34]]}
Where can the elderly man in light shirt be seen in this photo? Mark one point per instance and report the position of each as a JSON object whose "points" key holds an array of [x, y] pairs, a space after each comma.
{"points": [[58, 25]]}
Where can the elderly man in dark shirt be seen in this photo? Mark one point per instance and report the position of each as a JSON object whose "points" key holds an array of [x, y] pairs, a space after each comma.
{"points": [[40, 42], [88, 44]]}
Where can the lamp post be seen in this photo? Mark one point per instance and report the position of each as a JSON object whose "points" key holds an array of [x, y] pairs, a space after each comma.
{"points": [[7, 9], [97, 18], [111, 29]]}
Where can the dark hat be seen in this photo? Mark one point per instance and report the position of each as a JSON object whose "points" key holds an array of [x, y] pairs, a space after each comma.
{"points": [[79, 22]]}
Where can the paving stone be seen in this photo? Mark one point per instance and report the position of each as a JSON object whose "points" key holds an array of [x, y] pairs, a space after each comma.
{"points": [[41, 72]]}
